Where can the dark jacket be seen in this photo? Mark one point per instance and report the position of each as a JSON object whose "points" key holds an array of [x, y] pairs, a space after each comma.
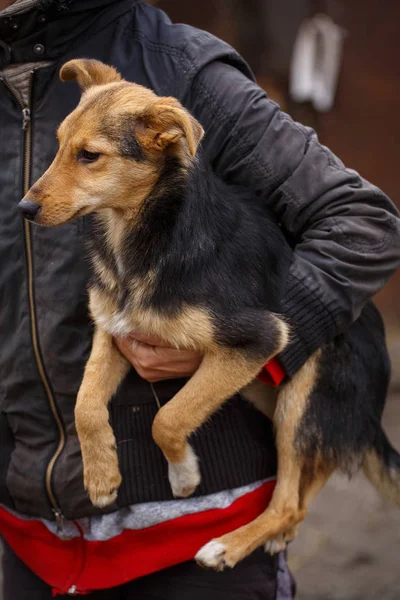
{"points": [[344, 231]]}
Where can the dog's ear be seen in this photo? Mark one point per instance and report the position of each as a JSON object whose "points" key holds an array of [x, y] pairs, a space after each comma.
{"points": [[166, 123], [88, 72]]}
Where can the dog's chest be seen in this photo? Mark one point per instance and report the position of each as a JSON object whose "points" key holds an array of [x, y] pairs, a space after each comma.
{"points": [[121, 303], [190, 327], [116, 303]]}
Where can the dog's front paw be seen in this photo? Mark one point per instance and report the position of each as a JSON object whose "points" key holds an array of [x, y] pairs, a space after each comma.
{"points": [[102, 480], [102, 486], [184, 476]]}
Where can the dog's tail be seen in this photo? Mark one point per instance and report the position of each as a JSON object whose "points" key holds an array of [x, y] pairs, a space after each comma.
{"points": [[382, 467]]}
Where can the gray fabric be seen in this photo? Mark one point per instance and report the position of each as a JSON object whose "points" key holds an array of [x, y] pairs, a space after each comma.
{"points": [[285, 583], [18, 7], [17, 77], [141, 516]]}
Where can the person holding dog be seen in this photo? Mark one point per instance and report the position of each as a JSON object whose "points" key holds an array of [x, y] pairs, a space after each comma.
{"points": [[345, 235]]}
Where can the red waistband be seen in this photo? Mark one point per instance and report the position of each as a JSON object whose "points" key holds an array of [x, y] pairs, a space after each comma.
{"points": [[85, 565]]}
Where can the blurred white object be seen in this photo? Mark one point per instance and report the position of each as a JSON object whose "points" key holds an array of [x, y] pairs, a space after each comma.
{"points": [[316, 60]]}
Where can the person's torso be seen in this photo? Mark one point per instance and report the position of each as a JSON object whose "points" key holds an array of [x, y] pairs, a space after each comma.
{"points": [[44, 324]]}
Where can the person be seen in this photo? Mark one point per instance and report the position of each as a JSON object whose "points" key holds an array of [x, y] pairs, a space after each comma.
{"points": [[345, 235]]}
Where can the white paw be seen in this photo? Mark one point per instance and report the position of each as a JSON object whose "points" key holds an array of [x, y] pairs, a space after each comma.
{"points": [[103, 501], [212, 555], [184, 476], [275, 546]]}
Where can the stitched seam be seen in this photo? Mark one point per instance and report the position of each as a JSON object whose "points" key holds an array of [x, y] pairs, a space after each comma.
{"points": [[245, 143], [159, 46], [242, 141], [262, 168], [366, 247], [284, 117], [287, 190]]}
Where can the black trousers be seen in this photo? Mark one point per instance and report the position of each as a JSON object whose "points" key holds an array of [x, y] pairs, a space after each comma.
{"points": [[259, 577]]}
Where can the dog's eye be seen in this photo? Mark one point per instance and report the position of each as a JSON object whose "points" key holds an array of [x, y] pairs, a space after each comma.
{"points": [[87, 157]]}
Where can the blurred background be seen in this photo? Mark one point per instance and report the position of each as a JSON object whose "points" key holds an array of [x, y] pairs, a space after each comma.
{"points": [[333, 65]]}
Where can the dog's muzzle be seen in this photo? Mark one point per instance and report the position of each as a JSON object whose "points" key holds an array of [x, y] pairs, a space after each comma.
{"points": [[29, 209]]}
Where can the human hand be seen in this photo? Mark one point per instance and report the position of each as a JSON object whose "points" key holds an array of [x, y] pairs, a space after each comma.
{"points": [[155, 360]]}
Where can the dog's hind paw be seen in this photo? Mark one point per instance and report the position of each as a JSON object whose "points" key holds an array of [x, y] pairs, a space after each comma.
{"points": [[275, 545], [184, 476], [212, 556]]}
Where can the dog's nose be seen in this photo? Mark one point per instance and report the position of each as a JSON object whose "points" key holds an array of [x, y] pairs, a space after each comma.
{"points": [[29, 209]]}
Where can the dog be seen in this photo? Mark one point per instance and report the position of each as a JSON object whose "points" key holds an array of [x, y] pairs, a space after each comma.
{"points": [[181, 256]]}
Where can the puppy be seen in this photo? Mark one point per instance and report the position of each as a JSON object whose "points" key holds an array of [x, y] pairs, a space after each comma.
{"points": [[181, 256]]}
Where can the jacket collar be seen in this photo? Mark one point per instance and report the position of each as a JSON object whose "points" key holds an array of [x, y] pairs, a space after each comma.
{"points": [[43, 33]]}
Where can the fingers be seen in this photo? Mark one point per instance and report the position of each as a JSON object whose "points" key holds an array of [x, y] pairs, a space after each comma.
{"points": [[145, 339], [156, 363]]}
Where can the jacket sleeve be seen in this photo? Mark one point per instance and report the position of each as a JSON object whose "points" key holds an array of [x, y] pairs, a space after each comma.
{"points": [[345, 231]]}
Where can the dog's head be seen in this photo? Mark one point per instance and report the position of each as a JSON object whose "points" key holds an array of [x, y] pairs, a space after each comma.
{"points": [[112, 147]]}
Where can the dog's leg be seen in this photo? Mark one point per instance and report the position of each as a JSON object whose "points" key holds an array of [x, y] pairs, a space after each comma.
{"points": [[269, 528], [220, 375], [314, 476], [285, 510], [104, 371], [263, 397]]}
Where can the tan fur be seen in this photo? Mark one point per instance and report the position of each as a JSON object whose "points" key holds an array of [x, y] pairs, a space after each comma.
{"points": [[165, 123], [284, 330], [88, 72], [70, 188], [104, 371], [386, 481], [116, 189], [220, 375], [105, 274], [263, 397], [116, 226], [294, 488], [191, 329], [294, 395]]}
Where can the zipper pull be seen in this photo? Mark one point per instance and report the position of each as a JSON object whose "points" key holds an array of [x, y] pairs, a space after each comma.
{"points": [[26, 118], [59, 520]]}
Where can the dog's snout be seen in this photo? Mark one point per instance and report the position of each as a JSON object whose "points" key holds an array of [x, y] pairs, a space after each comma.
{"points": [[29, 209]]}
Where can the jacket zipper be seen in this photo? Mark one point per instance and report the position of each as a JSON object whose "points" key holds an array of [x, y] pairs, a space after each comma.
{"points": [[26, 126], [155, 395]]}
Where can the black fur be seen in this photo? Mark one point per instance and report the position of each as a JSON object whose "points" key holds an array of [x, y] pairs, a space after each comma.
{"points": [[218, 247], [121, 131], [210, 245], [343, 418], [389, 456]]}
